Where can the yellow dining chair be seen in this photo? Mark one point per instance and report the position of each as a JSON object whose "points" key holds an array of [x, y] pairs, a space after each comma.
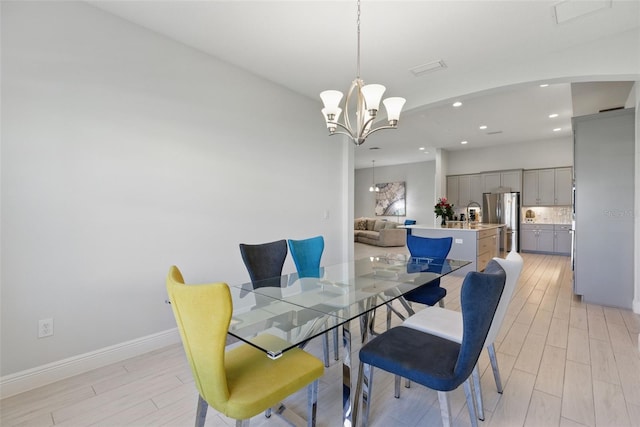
{"points": [[242, 382]]}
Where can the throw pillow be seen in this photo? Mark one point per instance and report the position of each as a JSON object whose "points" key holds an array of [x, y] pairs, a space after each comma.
{"points": [[379, 225], [390, 224], [370, 224], [361, 224]]}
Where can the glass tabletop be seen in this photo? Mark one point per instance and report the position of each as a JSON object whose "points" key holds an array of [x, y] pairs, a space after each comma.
{"points": [[297, 309]]}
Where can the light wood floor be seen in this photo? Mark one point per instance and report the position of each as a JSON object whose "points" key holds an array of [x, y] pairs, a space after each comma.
{"points": [[563, 363]]}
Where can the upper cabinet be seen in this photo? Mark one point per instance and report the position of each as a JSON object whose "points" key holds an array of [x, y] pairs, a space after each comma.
{"points": [[511, 180], [452, 189], [502, 181], [564, 186], [464, 189], [547, 187], [469, 189]]}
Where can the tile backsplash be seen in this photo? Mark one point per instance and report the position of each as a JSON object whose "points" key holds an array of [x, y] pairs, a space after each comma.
{"points": [[547, 215]]}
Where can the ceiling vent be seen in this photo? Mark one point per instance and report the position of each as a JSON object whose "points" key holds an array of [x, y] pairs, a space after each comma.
{"points": [[496, 132], [572, 9], [428, 68]]}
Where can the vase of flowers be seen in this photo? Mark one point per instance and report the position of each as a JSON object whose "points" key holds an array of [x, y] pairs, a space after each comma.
{"points": [[443, 209]]}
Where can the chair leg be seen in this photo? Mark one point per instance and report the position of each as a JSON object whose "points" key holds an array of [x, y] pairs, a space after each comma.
{"points": [[388, 316], [441, 303], [325, 349], [312, 403], [478, 392], [494, 367], [396, 386], [445, 408], [470, 405], [336, 344], [201, 412]]}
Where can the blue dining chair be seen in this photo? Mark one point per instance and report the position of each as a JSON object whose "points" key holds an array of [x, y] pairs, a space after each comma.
{"points": [[432, 361], [307, 254], [409, 222], [448, 323], [434, 248], [429, 293]]}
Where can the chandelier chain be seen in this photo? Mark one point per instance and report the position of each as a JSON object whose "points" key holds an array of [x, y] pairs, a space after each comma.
{"points": [[358, 56]]}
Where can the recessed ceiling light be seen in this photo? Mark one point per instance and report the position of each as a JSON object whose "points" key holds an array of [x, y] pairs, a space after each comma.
{"points": [[483, 127], [426, 152], [421, 148], [553, 116], [457, 104], [557, 129], [544, 85], [463, 142]]}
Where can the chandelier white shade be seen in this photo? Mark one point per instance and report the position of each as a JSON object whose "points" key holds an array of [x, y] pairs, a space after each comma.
{"points": [[366, 100]]}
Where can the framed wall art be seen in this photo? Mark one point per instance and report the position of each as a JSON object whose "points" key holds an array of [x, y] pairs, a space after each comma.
{"points": [[390, 200]]}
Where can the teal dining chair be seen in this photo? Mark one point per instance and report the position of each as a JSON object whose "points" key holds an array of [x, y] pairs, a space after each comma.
{"points": [[307, 254]]}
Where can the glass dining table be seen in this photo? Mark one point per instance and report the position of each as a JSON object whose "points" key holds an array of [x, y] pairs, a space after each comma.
{"points": [[300, 309]]}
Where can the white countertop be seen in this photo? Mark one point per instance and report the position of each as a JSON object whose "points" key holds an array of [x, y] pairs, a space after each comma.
{"points": [[458, 226]]}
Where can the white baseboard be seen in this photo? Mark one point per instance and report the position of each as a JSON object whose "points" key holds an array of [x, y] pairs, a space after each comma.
{"points": [[19, 382]]}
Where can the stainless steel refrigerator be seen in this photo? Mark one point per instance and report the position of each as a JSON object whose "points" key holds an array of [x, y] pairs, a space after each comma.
{"points": [[504, 208]]}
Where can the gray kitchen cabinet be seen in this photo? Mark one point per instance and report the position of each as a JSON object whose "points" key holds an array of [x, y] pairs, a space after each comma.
{"points": [[452, 189], [491, 182], [563, 186], [604, 154], [463, 189], [510, 180], [539, 187], [548, 187], [562, 239], [537, 238], [528, 239]]}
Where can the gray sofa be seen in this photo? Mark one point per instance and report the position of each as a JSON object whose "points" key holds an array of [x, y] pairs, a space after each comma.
{"points": [[378, 232]]}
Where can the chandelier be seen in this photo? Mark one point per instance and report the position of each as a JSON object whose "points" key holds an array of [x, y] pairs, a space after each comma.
{"points": [[367, 101], [373, 187]]}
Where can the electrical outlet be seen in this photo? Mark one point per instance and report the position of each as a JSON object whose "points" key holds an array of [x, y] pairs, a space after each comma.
{"points": [[45, 328]]}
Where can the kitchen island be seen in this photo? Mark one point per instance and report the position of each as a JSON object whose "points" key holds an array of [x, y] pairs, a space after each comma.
{"points": [[475, 242]]}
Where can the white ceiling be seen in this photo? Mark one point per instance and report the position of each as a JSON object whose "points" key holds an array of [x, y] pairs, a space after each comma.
{"points": [[496, 55]]}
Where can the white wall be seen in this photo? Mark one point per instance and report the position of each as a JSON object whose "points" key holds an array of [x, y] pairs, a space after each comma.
{"points": [[531, 155], [419, 182], [124, 153]]}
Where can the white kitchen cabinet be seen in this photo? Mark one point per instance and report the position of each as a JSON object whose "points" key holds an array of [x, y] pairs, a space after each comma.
{"points": [[562, 239], [563, 186], [547, 187]]}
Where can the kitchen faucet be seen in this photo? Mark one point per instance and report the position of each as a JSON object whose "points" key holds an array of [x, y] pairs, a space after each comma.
{"points": [[471, 203]]}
